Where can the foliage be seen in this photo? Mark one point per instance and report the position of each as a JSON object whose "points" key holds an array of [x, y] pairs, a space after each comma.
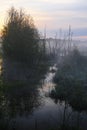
{"points": [[73, 67], [23, 52], [21, 40], [71, 80]]}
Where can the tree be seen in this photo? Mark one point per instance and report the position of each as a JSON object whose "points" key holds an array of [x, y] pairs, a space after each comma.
{"points": [[23, 53], [20, 37]]}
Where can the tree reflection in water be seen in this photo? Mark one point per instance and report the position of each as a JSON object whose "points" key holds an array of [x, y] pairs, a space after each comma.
{"points": [[17, 101], [71, 94]]}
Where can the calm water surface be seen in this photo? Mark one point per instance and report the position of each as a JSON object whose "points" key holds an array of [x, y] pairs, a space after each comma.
{"points": [[37, 111]]}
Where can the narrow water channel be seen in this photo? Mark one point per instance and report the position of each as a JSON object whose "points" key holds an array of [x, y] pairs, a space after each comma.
{"points": [[48, 114]]}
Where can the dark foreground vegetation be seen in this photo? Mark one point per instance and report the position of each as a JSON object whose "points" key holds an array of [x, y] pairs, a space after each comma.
{"points": [[23, 51], [71, 80], [25, 62], [71, 85]]}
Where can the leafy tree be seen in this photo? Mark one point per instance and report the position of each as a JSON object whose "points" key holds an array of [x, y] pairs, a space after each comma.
{"points": [[24, 56], [20, 38]]}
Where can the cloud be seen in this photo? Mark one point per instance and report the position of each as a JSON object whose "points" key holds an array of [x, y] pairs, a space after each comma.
{"points": [[52, 13], [58, 1]]}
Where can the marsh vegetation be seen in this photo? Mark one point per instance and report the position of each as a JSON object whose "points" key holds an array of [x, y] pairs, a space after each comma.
{"points": [[43, 82]]}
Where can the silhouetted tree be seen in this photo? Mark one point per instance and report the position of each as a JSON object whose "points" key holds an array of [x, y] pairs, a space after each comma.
{"points": [[23, 52], [20, 37]]}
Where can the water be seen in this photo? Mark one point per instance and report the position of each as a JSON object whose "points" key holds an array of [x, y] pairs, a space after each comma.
{"points": [[35, 110]]}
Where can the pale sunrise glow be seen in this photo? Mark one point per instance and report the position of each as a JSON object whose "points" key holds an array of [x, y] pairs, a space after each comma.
{"points": [[59, 1], [55, 14]]}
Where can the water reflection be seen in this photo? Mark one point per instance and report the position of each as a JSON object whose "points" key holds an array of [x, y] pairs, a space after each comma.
{"points": [[17, 101], [29, 107]]}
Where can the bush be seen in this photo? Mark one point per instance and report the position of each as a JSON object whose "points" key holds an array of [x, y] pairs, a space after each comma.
{"points": [[71, 81]]}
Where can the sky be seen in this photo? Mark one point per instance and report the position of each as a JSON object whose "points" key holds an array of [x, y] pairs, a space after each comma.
{"points": [[54, 15]]}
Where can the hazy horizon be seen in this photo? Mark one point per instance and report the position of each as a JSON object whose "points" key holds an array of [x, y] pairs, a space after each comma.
{"points": [[54, 15]]}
